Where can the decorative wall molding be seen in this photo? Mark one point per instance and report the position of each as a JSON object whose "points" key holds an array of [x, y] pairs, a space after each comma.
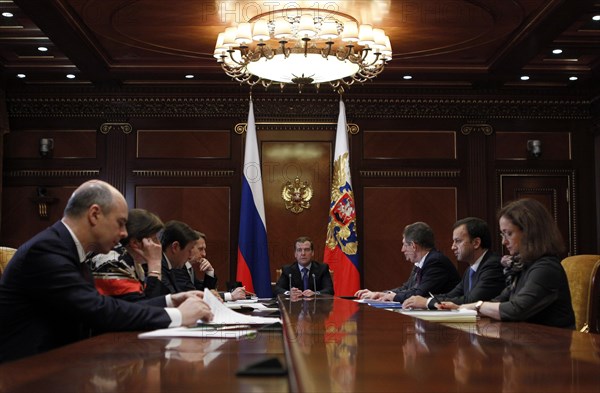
{"points": [[125, 128], [88, 173], [351, 128], [285, 107], [412, 174], [183, 173], [485, 129]]}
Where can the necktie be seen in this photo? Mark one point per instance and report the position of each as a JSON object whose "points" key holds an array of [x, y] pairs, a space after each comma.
{"points": [[471, 272], [418, 274], [305, 277]]}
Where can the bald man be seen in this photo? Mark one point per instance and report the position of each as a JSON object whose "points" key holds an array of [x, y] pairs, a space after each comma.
{"points": [[47, 295]]}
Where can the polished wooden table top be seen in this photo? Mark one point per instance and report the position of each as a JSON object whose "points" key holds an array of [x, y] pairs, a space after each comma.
{"points": [[328, 345]]}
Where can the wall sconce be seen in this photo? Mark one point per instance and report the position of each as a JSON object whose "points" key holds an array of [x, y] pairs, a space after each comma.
{"points": [[46, 146], [534, 147], [43, 202]]}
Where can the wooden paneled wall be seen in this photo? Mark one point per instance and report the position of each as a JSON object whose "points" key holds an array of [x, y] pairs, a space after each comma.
{"points": [[414, 168]]}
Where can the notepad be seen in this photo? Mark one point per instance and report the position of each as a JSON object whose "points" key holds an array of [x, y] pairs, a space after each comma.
{"points": [[443, 315]]}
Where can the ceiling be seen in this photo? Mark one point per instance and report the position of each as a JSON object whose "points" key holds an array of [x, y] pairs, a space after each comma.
{"points": [[440, 43]]}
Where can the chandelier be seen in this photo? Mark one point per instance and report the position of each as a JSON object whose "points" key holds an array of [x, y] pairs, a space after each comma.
{"points": [[303, 46]]}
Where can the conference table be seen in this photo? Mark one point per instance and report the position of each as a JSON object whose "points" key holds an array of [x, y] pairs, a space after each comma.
{"points": [[325, 344]]}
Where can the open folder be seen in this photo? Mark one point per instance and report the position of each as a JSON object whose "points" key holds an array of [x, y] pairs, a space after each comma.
{"points": [[443, 315]]}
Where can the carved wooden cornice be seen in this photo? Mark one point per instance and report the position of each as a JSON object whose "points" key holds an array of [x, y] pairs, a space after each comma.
{"points": [[286, 107]]}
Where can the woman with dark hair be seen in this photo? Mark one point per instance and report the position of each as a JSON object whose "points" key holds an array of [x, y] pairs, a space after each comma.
{"points": [[120, 272], [537, 290]]}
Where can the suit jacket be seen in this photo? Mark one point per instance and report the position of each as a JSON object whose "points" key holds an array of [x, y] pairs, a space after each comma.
{"points": [[487, 283], [178, 279], [208, 282], [321, 277], [438, 275], [540, 295], [48, 299]]}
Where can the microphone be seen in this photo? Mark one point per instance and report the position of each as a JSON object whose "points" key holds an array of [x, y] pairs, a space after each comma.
{"points": [[290, 279], [314, 283]]}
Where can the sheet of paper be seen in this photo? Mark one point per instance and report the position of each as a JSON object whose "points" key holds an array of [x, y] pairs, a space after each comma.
{"points": [[443, 315], [197, 332], [375, 302], [225, 316], [236, 305]]}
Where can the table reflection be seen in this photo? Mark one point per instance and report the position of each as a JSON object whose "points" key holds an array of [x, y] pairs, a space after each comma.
{"points": [[341, 344]]}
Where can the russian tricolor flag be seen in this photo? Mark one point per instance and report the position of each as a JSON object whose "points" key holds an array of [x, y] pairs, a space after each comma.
{"points": [[253, 269], [341, 250]]}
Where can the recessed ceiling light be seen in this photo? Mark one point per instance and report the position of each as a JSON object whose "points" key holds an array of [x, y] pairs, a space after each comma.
{"points": [[71, 76], [557, 51], [524, 78], [407, 77], [21, 76], [7, 14], [596, 17], [573, 78], [189, 76], [42, 49]]}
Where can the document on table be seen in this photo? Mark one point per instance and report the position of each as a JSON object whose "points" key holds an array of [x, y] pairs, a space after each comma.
{"points": [[198, 332], [235, 305], [379, 303], [224, 316], [443, 315]]}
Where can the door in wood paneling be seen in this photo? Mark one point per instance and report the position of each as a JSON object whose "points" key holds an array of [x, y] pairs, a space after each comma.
{"points": [[284, 159], [553, 190]]}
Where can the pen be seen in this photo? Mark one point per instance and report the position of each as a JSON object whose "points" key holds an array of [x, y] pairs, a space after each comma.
{"points": [[435, 299]]}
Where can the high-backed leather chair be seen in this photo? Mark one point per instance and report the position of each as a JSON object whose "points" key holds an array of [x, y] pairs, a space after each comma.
{"points": [[6, 253], [583, 273]]}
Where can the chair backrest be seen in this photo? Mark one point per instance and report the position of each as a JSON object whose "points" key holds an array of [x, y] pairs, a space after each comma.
{"points": [[583, 273], [6, 253]]}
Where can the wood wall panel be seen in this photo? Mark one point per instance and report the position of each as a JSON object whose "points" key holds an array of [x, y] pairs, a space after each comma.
{"points": [[283, 161], [409, 145], [183, 144], [513, 145], [387, 210], [206, 209], [67, 144], [22, 220]]}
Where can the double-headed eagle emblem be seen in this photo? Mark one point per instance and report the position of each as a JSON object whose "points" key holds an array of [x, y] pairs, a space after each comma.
{"points": [[297, 195]]}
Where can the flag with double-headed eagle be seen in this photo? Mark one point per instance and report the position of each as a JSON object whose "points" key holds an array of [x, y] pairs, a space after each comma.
{"points": [[341, 249]]}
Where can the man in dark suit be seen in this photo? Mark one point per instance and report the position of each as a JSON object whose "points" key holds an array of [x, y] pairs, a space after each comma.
{"points": [[184, 261], [305, 277], [432, 272], [483, 280], [178, 241], [47, 295]]}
